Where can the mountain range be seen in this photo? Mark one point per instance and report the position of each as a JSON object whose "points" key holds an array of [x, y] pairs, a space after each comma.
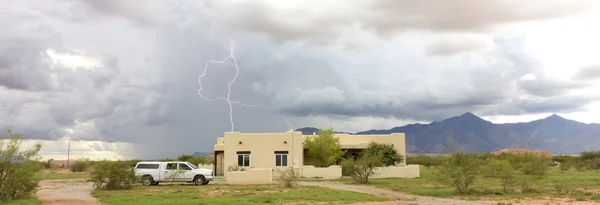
{"points": [[474, 134]]}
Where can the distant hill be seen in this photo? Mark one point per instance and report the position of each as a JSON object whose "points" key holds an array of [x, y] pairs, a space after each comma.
{"points": [[474, 134]]}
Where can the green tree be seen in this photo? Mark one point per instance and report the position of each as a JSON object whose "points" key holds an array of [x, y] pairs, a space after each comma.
{"points": [[197, 160], [364, 167], [324, 149], [388, 151], [17, 168], [506, 173], [458, 171], [113, 175], [80, 166], [185, 157]]}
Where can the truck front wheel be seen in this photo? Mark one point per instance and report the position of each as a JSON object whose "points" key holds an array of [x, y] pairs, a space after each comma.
{"points": [[198, 180]]}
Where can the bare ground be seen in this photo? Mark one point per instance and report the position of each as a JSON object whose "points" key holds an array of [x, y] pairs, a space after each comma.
{"points": [[397, 197], [66, 192]]}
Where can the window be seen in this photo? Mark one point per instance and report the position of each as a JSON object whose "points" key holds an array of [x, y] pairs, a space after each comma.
{"points": [[183, 166], [172, 166], [243, 159], [281, 158], [147, 166]]}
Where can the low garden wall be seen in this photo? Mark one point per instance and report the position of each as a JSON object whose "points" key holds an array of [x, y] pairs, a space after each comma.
{"points": [[206, 166], [409, 171], [331, 172], [250, 176]]}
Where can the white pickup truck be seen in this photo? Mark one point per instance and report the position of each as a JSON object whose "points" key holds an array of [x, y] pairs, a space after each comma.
{"points": [[153, 173]]}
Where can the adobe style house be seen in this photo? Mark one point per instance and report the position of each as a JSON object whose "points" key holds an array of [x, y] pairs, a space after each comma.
{"points": [[261, 154], [523, 151]]}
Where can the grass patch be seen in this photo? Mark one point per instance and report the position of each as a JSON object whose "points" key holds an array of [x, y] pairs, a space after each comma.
{"points": [[61, 175], [565, 184], [229, 194], [27, 201]]}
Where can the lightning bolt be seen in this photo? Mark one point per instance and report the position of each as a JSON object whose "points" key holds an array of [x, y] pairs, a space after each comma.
{"points": [[228, 99], [288, 123]]}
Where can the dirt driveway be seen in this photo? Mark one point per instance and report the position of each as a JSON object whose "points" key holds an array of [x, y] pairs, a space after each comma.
{"points": [[399, 198], [66, 192]]}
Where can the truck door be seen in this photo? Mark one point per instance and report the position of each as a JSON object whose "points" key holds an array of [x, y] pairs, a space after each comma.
{"points": [[187, 172], [170, 172]]}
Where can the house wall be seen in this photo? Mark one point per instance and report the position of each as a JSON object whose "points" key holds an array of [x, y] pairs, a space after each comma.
{"points": [[331, 172], [410, 171], [262, 147], [354, 142], [250, 176]]}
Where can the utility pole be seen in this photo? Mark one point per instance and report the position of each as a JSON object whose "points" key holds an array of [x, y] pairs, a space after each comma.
{"points": [[68, 152], [451, 139]]}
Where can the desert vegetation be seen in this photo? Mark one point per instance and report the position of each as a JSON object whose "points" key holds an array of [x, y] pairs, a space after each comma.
{"points": [[477, 176]]}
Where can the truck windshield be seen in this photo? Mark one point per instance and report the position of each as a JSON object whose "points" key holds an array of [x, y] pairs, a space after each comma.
{"points": [[191, 165]]}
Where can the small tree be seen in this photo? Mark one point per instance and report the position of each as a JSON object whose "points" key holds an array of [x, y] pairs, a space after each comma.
{"points": [[287, 177], [113, 175], [364, 167], [388, 151], [17, 168], [197, 160], [506, 173], [185, 157], [324, 149], [458, 171], [80, 166]]}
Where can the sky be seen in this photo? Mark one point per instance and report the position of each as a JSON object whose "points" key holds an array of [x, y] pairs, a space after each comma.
{"points": [[121, 79]]}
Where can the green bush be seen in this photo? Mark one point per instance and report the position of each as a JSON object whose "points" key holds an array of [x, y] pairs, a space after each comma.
{"points": [[425, 160], [324, 150], [287, 177], [80, 166], [17, 168], [389, 153], [458, 171], [113, 175], [364, 167]]}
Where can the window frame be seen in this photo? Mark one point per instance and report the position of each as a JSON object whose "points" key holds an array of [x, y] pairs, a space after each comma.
{"points": [[281, 155], [245, 155]]}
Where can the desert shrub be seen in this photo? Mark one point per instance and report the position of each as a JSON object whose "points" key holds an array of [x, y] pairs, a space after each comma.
{"points": [[132, 162], [526, 182], [534, 168], [48, 163], [506, 173], [364, 167], [458, 171], [566, 165], [492, 168], [185, 157], [388, 151], [80, 166], [324, 150], [17, 168], [113, 175], [233, 168], [197, 160], [425, 160], [287, 177]]}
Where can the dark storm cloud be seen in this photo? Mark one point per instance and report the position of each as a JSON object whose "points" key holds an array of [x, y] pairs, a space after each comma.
{"points": [[550, 87], [588, 73], [145, 90], [386, 17]]}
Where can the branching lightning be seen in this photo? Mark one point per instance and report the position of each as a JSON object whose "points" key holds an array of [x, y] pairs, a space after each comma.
{"points": [[288, 123], [228, 99]]}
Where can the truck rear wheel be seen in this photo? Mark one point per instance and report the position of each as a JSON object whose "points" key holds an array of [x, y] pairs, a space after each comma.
{"points": [[147, 180]]}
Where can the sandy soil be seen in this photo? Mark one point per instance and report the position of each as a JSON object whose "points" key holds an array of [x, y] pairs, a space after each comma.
{"points": [[398, 198], [66, 192]]}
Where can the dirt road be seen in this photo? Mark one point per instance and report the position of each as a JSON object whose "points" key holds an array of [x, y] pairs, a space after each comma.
{"points": [[66, 192], [398, 198]]}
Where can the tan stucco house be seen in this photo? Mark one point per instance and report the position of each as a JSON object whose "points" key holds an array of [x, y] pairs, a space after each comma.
{"points": [[263, 153]]}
